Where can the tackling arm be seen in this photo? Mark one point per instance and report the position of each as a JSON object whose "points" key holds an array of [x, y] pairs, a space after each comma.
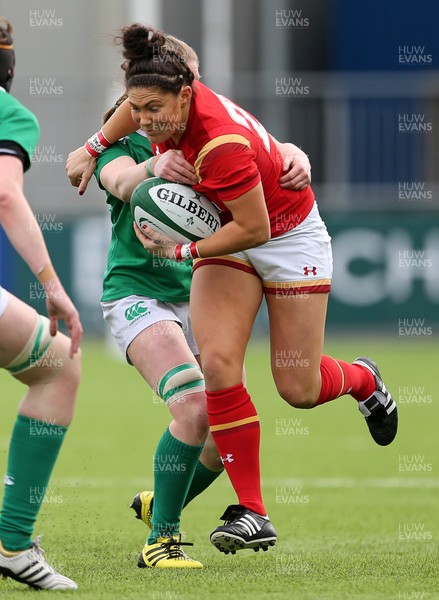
{"points": [[80, 166], [171, 165], [121, 176], [296, 166]]}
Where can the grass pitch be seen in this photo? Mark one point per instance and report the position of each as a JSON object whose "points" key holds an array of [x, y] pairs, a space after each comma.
{"points": [[354, 520]]}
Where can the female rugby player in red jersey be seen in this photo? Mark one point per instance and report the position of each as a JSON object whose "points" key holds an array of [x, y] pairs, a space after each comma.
{"points": [[297, 169], [272, 243]]}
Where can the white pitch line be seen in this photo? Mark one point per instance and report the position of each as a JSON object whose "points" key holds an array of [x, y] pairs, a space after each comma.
{"points": [[316, 483]]}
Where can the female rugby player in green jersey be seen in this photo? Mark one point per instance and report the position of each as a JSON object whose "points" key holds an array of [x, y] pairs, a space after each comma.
{"points": [[145, 303], [31, 350]]}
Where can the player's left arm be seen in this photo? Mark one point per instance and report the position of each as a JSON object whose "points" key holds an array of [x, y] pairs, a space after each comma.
{"points": [[296, 166], [230, 168], [249, 228]]}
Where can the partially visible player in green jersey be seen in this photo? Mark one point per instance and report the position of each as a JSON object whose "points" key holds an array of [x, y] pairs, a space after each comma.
{"points": [[19, 127], [29, 347], [129, 272], [145, 301]]}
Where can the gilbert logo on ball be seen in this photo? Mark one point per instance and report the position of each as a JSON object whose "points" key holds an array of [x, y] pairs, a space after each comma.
{"points": [[174, 209]]}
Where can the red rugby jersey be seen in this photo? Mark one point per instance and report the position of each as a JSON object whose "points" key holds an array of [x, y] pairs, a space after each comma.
{"points": [[231, 153]]}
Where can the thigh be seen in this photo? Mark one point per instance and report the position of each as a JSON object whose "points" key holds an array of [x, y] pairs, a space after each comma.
{"points": [[16, 325], [297, 326], [224, 304], [181, 310]]}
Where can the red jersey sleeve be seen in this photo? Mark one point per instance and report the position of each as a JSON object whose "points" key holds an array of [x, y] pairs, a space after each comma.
{"points": [[227, 165]]}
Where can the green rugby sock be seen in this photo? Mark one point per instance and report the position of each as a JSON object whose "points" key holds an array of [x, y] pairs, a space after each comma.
{"points": [[33, 451], [174, 467], [202, 478]]}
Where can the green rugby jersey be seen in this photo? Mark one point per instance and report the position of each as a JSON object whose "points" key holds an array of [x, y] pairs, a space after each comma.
{"points": [[130, 268], [18, 124]]}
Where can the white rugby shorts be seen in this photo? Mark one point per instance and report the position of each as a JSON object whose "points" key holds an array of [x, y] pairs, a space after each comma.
{"points": [[296, 262], [129, 316]]}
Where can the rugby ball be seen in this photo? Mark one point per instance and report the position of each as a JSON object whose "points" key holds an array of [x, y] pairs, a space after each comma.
{"points": [[174, 209]]}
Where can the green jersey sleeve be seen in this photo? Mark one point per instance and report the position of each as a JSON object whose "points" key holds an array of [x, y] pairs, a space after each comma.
{"points": [[116, 150], [130, 269], [18, 125]]}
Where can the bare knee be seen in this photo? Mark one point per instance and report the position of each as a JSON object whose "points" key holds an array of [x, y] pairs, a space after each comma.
{"points": [[53, 383], [220, 370], [299, 394], [54, 367], [197, 426], [70, 373], [190, 418], [67, 385]]}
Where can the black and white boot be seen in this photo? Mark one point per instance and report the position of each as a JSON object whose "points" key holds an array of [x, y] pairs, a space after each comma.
{"points": [[243, 529], [30, 567], [380, 409]]}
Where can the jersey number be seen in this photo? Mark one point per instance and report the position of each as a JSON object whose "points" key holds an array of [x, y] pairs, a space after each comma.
{"points": [[240, 116]]}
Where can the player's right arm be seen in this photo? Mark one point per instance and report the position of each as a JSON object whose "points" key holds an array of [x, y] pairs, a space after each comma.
{"points": [[121, 176], [80, 166], [24, 233], [171, 165]]}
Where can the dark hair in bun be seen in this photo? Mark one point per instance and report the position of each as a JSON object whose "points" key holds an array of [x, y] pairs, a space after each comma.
{"points": [[150, 62]]}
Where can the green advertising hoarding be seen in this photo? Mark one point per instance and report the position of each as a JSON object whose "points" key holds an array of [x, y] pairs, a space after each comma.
{"points": [[386, 270]]}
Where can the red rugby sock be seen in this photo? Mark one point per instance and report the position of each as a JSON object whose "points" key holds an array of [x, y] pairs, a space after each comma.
{"points": [[340, 378], [234, 424]]}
